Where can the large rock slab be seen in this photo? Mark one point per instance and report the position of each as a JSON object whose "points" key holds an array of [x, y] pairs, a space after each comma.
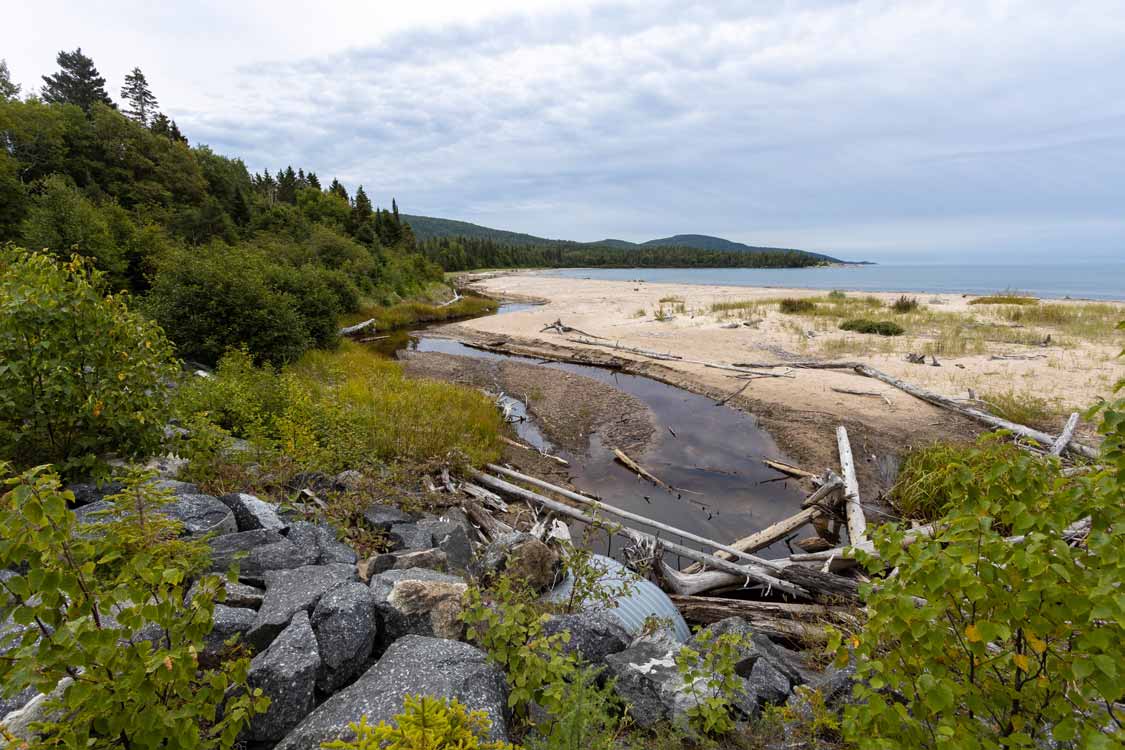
{"points": [[291, 591], [252, 513], [198, 514], [413, 665], [594, 635], [452, 538], [256, 553], [286, 673], [647, 679], [345, 625], [418, 601], [320, 544], [383, 517]]}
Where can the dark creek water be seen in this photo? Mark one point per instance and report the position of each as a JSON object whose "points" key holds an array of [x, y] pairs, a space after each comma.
{"points": [[714, 458]]}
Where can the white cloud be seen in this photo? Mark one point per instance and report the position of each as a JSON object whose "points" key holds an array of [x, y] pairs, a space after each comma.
{"points": [[875, 124]]}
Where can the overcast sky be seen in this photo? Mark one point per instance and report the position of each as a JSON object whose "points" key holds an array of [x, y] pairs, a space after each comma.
{"points": [[971, 130]]}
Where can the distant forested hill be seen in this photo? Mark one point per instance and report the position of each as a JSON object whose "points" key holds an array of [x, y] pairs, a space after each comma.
{"points": [[459, 245]]}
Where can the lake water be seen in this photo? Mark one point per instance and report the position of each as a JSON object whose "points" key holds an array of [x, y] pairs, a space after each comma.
{"points": [[1080, 281]]}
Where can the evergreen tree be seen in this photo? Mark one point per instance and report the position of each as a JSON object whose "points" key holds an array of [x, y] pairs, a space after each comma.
{"points": [[287, 185], [337, 189], [142, 103], [77, 82], [314, 181], [394, 210], [176, 135], [302, 181], [8, 90]]}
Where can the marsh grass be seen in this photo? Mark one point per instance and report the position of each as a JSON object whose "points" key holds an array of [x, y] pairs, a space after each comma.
{"points": [[905, 304], [406, 314], [1009, 298], [1024, 407], [345, 409], [1093, 321], [795, 306], [923, 489]]}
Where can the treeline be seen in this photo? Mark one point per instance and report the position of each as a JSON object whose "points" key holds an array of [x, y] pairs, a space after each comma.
{"points": [[218, 256], [466, 253]]}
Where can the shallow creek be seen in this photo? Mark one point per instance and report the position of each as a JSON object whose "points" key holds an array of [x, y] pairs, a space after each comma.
{"points": [[711, 454]]}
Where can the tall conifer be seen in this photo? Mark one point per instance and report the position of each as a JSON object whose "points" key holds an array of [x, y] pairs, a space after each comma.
{"points": [[77, 82]]}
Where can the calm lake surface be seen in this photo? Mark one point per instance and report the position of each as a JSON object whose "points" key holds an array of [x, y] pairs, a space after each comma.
{"points": [[1080, 281]]}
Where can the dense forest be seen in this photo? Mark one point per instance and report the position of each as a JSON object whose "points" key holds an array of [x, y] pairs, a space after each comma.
{"points": [[465, 253], [218, 256]]}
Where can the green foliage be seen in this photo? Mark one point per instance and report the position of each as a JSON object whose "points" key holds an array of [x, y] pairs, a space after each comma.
{"points": [[590, 584], [880, 327], [930, 478], [1005, 299], [983, 642], [836, 295], [425, 724], [80, 374], [406, 314], [590, 719], [104, 607], [794, 306], [905, 304], [708, 674], [77, 82]]}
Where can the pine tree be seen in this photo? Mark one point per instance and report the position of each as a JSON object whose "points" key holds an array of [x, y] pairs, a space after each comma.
{"points": [[78, 82], [8, 90], [314, 181], [337, 189], [142, 103]]}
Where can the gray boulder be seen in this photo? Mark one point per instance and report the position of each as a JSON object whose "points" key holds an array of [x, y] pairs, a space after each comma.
{"points": [[176, 487], [433, 559], [410, 536], [200, 514], [252, 513], [348, 480], [227, 623], [291, 591], [345, 625], [382, 517], [594, 635], [320, 544], [767, 684], [90, 492], [521, 556], [238, 595], [413, 665], [647, 679], [286, 673], [419, 602], [451, 538], [256, 553]]}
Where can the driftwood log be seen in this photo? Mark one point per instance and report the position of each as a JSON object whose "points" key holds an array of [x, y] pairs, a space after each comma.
{"points": [[705, 610], [639, 470], [357, 328], [1065, 436], [790, 469], [977, 415], [853, 509], [490, 527]]}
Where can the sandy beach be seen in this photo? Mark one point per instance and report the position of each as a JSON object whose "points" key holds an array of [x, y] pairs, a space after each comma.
{"points": [[979, 352]]}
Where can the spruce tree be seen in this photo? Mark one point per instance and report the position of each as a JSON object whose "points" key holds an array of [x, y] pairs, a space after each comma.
{"points": [[8, 90], [287, 185], [314, 181], [142, 103], [77, 82], [176, 135], [394, 210], [338, 189]]}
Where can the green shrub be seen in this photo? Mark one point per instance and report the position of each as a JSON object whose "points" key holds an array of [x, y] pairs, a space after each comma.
{"points": [[795, 306], [905, 304], [709, 675], [984, 642], [880, 327], [214, 298], [424, 724], [406, 314], [87, 603], [836, 295], [80, 374]]}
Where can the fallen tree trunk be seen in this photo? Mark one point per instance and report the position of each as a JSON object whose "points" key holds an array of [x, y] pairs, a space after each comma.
{"points": [[790, 469], [853, 509], [984, 418], [717, 606], [490, 527], [557, 459], [705, 611], [677, 358]]}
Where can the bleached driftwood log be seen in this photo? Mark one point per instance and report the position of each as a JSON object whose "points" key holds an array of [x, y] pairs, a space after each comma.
{"points": [[456, 298], [708, 609], [853, 509], [977, 415], [677, 358], [1065, 436], [357, 328], [484, 497], [557, 459], [790, 469], [490, 527], [639, 470]]}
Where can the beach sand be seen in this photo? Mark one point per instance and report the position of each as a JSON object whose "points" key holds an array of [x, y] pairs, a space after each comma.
{"points": [[802, 410]]}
